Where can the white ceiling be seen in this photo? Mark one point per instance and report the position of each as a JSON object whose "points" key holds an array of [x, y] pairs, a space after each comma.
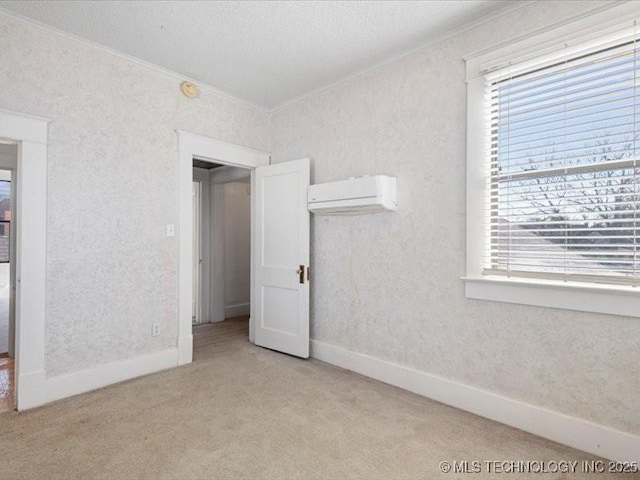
{"points": [[268, 52]]}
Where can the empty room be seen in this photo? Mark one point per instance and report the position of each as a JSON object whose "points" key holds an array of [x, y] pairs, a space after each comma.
{"points": [[319, 239]]}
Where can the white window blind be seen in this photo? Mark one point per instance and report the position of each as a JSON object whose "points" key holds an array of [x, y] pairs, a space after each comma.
{"points": [[564, 172]]}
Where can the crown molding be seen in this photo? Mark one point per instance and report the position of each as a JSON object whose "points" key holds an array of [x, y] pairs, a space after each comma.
{"points": [[452, 33], [513, 7], [143, 63]]}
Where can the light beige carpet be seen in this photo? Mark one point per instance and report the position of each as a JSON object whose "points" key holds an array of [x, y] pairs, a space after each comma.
{"points": [[243, 412]]}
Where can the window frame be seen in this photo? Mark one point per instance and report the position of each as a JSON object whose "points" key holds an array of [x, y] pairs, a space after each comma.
{"points": [[542, 47]]}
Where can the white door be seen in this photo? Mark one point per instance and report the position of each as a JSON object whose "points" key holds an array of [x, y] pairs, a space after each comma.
{"points": [[281, 226]]}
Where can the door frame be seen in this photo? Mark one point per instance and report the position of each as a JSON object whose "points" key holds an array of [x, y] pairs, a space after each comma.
{"points": [[192, 146], [9, 163], [196, 201], [11, 167], [31, 135]]}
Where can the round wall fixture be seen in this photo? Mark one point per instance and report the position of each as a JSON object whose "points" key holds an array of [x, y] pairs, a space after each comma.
{"points": [[189, 90]]}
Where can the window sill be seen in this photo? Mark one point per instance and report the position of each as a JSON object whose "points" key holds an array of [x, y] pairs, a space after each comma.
{"points": [[584, 297]]}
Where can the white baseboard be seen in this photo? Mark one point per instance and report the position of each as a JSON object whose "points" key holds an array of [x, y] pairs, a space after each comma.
{"points": [[30, 391], [185, 349], [37, 389], [574, 432], [236, 310]]}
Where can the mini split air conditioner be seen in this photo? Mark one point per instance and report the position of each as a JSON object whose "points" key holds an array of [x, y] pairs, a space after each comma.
{"points": [[368, 194]]}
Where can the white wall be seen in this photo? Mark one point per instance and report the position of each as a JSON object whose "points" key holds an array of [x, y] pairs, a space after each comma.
{"points": [[388, 285], [112, 188], [237, 248]]}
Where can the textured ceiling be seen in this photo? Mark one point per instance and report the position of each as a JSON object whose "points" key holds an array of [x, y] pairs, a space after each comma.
{"points": [[266, 52]]}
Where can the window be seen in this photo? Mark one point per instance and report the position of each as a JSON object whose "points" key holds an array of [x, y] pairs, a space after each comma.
{"points": [[553, 177], [564, 197], [5, 220]]}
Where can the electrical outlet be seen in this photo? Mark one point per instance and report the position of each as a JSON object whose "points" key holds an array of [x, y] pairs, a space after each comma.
{"points": [[155, 329], [171, 230]]}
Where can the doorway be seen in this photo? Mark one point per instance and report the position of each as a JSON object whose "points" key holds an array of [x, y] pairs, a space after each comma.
{"points": [[27, 136], [221, 260], [221, 242], [8, 164], [279, 274], [190, 147]]}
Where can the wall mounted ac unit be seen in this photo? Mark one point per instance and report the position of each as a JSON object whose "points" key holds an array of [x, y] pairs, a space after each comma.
{"points": [[368, 194]]}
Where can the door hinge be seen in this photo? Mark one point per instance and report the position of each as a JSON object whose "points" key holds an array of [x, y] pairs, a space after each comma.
{"points": [[300, 273]]}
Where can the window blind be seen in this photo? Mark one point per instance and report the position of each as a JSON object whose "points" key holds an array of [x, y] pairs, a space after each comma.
{"points": [[564, 172]]}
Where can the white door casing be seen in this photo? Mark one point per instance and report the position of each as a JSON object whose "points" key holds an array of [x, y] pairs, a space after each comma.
{"points": [[281, 282], [31, 232], [189, 146]]}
